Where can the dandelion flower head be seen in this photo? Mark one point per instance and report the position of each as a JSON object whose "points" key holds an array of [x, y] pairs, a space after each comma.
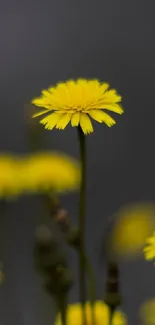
{"points": [[133, 225], [9, 180], [46, 171], [77, 102], [101, 310]]}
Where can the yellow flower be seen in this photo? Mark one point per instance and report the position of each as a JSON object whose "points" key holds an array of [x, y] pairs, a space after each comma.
{"points": [[77, 101], [74, 315], [133, 225], [147, 312], [149, 249], [9, 178], [49, 171]]}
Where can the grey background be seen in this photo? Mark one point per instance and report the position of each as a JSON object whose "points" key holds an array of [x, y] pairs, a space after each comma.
{"points": [[43, 42]]}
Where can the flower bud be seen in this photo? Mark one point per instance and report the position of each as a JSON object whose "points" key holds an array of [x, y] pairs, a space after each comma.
{"points": [[112, 298], [61, 217], [47, 254], [60, 283]]}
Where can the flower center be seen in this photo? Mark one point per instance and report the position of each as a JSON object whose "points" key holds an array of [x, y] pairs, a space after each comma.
{"points": [[79, 108]]}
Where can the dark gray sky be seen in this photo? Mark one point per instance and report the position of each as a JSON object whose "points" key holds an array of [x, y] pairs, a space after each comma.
{"points": [[43, 42]]}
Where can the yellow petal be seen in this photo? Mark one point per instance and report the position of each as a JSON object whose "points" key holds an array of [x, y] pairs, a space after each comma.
{"points": [[112, 96], [45, 111], [71, 85], [63, 121], [149, 256], [41, 102], [111, 107], [104, 87], [75, 119], [100, 117], [82, 82], [86, 124], [101, 313], [51, 120], [46, 93], [150, 240]]}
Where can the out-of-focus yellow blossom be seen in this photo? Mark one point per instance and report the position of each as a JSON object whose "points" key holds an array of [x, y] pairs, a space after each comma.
{"points": [[101, 311], [46, 171], [133, 225], [77, 102], [147, 312], [149, 249], [9, 178]]}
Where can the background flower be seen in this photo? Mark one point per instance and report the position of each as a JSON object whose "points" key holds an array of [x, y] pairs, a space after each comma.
{"points": [[9, 176], [133, 225], [77, 101], [74, 315], [147, 312], [149, 249], [46, 171]]}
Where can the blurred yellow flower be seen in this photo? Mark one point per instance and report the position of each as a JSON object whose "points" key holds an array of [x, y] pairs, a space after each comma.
{"points": [[49, 171], [149, 249], [147, 312], [101, 310], [9, 180], [77, 101], [133, 225]]}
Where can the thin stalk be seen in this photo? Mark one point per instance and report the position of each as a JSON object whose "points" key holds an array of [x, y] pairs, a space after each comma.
{"points": [[111, 315], [91, 282], [88, 269], [82, 206], [61, 304], [112, 298]]}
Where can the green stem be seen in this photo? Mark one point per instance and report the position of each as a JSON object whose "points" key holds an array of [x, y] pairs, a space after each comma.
{"points": [[88, 269], [112, 298], [61, 304], [111, 315], [82, 204], [92, 292]]}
